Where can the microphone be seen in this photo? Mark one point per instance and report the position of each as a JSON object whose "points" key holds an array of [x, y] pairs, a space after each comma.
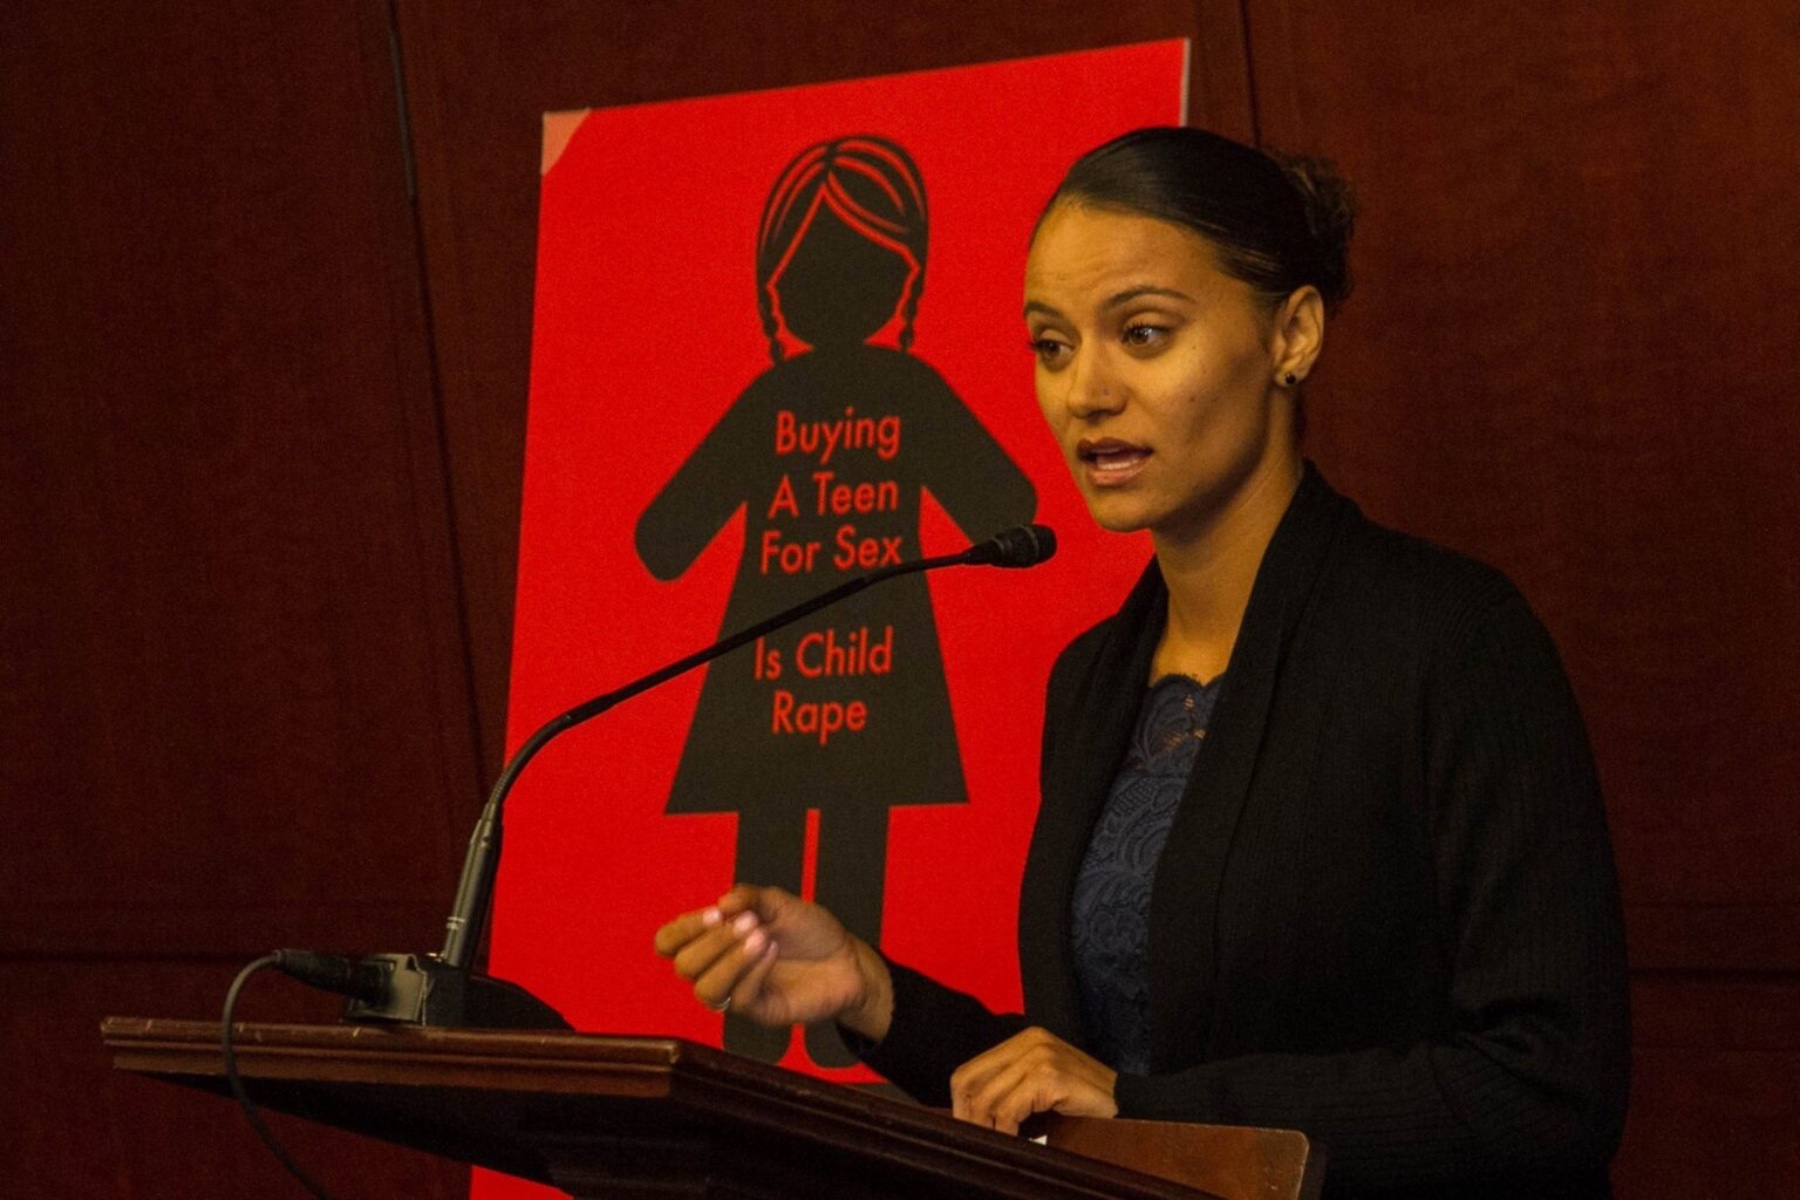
{"points": [[1020, 546], [442, 989]]}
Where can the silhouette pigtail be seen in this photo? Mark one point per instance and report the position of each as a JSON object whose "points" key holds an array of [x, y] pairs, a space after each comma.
{"points": [[879, 192], [785, 217]]}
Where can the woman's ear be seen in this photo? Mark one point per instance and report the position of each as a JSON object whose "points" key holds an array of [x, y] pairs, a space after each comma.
{"points": [[1298, 335]]}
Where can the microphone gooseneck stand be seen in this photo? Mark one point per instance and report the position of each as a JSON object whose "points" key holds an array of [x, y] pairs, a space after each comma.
{"points": [[443, 989]]}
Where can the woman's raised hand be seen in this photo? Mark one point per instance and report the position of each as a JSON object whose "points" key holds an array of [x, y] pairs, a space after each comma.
{"points": [[778, 960]]}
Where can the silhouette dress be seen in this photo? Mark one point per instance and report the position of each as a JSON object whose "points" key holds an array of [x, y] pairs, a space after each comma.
{"points": [[828, 453]]}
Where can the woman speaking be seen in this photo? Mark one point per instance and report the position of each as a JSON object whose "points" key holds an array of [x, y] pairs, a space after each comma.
{"points": [[1320, 843]]}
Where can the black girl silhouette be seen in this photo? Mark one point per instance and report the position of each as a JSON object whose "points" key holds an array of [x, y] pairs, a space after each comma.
{"points": [[829, 451]]}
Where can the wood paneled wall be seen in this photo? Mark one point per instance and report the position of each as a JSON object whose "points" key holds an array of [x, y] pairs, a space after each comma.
{"points": [[1568, 356], [261, 433], [235, 685]]}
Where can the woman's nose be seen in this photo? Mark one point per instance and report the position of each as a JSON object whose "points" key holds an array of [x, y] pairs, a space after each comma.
{"points": [[1093, 391]]}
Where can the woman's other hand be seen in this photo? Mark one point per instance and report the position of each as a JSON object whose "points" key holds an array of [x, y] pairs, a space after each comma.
{"points": [[778, 960], [1031, 1072]]}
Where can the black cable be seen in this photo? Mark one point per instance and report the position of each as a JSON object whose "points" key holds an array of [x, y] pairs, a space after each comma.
{"points": [[236, 1084]]}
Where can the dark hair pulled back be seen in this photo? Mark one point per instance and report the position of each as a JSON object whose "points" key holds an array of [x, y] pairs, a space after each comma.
{"points": [[1278, 222]]}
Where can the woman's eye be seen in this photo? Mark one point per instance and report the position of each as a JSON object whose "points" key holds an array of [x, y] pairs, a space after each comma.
{"points": [[1144, 335], [1049, 351]]}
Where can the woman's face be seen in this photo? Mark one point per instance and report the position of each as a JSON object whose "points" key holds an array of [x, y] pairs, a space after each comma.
{"points": [[1157, 371]]}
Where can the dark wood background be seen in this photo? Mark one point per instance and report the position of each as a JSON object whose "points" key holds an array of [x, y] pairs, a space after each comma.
{"points": [[264, 337]]}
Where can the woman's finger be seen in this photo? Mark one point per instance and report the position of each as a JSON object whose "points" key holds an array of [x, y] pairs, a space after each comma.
{"points": [[975, 1076], [684, 929], [720, 939], [718, 982], [998, 1102], [748, 992]]}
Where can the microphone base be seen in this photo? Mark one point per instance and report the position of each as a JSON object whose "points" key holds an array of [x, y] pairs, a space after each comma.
{"points": [[423, 991]]}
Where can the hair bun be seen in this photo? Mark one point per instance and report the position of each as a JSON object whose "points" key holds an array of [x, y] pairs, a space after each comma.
{"points": [[1330, 208]]}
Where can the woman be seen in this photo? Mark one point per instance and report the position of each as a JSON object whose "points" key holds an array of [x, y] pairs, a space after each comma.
{"points": [[1320, 845]]}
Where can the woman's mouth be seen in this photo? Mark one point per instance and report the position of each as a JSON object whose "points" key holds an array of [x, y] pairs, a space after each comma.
{"points": [[1110, 462]]}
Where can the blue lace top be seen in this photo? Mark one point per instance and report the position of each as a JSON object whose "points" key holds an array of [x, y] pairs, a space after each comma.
{"points": [[1111, 908]]}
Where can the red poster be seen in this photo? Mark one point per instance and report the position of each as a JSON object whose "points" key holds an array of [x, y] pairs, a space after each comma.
{"points": [[778, 344]]}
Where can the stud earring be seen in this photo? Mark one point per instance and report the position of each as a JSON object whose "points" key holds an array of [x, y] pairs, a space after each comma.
{"points": [[1290, 379]]}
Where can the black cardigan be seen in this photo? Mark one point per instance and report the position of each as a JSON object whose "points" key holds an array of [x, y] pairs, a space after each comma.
{"points": [[1386, 914]]}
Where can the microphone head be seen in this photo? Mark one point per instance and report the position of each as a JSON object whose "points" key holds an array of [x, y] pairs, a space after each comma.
{"points": [[1020, 546]]}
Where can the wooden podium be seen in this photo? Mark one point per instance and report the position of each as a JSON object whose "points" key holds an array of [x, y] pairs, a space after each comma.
{"points": [[627, 1117]]}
